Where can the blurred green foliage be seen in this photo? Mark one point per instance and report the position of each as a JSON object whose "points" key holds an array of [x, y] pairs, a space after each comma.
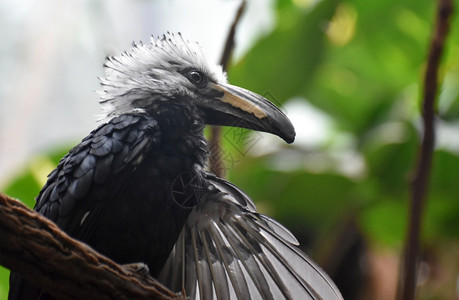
{"points": [[365, 71], [361, 62]]}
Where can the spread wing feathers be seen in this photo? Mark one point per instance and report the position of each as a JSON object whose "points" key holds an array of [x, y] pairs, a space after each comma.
{"points": [[112, 148], [228, 251]]}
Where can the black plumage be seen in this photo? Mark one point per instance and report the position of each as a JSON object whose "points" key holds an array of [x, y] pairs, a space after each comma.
{"points": [[135, 188]]}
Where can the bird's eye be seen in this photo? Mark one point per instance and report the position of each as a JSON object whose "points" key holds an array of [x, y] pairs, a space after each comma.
{"points": [[196, 77]]}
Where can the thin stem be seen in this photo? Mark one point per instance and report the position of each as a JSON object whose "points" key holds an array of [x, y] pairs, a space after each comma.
{"points": [[419, 185], [217, 166]]}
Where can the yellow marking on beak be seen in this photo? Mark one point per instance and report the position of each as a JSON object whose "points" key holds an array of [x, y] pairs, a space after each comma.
{"points": [[241, 103]]}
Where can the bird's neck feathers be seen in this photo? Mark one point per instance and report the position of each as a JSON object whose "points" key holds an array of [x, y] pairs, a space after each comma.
{"points": [[182, 130]]}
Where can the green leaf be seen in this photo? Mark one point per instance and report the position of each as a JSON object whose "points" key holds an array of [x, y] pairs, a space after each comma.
{"points": [[442, 205], [440, 221], [316, 199], [445, 171], [361, 79], [28, 183], [24, 188], [384, 222], [390, 151], [4, 282], [283, 63]]}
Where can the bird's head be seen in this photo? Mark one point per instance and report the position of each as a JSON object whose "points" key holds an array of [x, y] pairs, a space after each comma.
{"points": [[173, 71]]}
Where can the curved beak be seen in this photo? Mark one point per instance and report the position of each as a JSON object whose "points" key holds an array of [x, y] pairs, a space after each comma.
{"points": [[238, 107]]}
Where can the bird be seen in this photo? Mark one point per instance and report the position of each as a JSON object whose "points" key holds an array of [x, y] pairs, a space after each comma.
{"points": [[137, 189]]}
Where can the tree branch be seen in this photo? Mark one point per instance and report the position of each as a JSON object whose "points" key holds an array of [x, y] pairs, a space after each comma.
{"points": [[38, 250], [217, 166], [408, 274]]}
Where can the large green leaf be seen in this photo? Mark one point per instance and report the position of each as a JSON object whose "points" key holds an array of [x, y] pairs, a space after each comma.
{"points": [[316, 199], [26, 185], [4, 276], [390, 153], [283, 63], [362, 78], [385, 221], [443, 196]]}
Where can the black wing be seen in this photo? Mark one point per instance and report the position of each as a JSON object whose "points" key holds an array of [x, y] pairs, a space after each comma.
{"points": [[227, 250], [107, 156], [112, 151]]}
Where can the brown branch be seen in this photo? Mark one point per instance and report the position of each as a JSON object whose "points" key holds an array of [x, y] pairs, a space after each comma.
{"points": [[38, 250], [217, 166], [408, 274]]}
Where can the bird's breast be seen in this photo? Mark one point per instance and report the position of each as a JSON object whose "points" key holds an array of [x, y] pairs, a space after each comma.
{"points": [[145, 218]]}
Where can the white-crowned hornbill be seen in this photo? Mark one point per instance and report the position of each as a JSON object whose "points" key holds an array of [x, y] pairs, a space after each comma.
{"points": [[135, 188]]}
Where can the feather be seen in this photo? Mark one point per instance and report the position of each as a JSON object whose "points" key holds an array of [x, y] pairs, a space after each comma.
{"points": [[103, 131], [86, 166], [80, 186], [101, 149], [232, 252], [103, 168]]}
